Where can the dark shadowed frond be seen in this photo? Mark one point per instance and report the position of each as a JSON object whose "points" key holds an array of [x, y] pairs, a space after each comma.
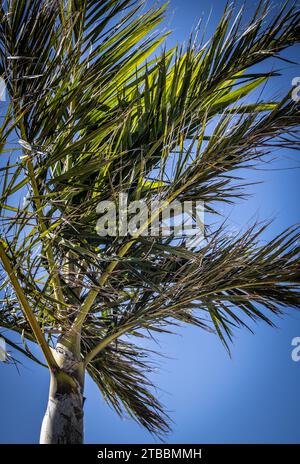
{"points": [[220, 286], [96, 108], [120, 373]]}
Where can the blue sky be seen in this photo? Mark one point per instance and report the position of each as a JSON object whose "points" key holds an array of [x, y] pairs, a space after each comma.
{"points": [[250, 398]]}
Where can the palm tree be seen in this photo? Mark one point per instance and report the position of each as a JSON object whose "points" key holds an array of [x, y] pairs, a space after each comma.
{"points": [[97, 108]]}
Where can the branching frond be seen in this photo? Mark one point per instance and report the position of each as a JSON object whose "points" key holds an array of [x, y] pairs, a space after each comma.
{"points": [[120, 373], [96, 109]]}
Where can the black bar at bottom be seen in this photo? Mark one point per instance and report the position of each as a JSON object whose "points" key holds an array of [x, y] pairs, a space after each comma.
{"points": [[198, 453]]}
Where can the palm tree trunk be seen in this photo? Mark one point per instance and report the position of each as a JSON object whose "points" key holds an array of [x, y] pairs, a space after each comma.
{"points": [[63, 420]]}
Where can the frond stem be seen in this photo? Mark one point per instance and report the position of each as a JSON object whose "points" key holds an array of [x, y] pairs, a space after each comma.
{"points": [[27, 309]]}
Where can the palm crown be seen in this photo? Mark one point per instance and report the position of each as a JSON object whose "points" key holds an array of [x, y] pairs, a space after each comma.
{"points": [[99, 109]]}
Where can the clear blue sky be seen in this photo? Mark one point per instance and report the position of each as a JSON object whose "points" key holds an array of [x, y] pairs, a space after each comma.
{"points": [[251, 398]]}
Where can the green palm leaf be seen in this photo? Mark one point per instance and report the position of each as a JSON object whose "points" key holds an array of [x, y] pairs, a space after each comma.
{"points": [[100, 109]]}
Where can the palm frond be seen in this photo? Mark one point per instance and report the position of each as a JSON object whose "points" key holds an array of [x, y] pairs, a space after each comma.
{"points": [[98, 109], [120, 373]]}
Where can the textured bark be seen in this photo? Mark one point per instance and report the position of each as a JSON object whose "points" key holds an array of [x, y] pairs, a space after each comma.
{"points": [[63, 420]]}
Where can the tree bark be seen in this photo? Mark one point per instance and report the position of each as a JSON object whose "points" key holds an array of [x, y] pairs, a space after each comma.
{"points": [[63, 420]]}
